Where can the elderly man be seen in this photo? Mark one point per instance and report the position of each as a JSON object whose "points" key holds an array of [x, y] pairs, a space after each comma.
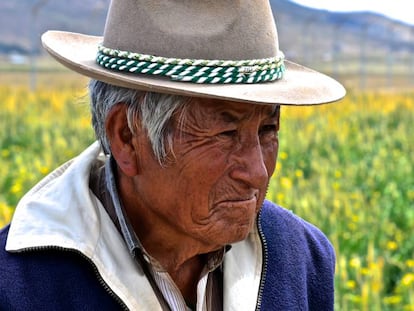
{"points": [[167, 210]]}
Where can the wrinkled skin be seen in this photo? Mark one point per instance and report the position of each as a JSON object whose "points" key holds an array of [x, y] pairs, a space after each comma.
{"points": [[208, 196]]}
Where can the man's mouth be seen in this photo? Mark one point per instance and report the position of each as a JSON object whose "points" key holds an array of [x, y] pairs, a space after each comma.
{"points": [[239, 203]]}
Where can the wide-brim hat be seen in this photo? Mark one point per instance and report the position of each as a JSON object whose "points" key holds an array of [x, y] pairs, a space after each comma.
{"points": [[222, 49]]}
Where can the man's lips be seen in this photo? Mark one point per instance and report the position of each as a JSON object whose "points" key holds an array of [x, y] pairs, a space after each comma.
{"points": [[239, 202], [239, 197]]}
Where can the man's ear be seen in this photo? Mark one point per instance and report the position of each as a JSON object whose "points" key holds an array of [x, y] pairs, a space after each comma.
{"points": [[120, 139]]}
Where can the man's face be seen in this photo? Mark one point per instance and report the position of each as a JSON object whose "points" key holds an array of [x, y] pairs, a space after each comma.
{"points": [[224, 156]]}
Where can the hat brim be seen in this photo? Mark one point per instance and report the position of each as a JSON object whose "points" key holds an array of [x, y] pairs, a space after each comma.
{"points": [[299, 86]]}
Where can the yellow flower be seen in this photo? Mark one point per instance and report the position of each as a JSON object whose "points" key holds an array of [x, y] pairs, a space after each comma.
{"points": [[280, 197], [392, 245], [355, 263], [408, 279], [283, 155], [336, 185], [85, 122], [299, 173], [5, 153], [286, 182], [392, 300], [44, 170], [409, 263], [338, 174], [16, 188], [351, 284], [5, 213], [365, 271]]}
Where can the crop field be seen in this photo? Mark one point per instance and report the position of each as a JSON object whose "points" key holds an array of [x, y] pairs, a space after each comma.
{"points": [[348, 168]]}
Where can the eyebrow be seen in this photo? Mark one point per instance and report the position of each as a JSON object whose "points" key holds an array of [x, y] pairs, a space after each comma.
{"points": [[230, 117]]}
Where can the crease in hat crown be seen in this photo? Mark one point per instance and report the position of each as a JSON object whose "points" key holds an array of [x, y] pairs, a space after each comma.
{"points": [[242, 47]]}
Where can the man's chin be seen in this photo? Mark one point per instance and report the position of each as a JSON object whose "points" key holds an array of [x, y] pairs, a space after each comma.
{"points": [[238, 233]]}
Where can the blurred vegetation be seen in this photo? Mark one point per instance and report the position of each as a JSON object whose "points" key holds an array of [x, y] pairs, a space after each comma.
{"points": [[349, 169]]}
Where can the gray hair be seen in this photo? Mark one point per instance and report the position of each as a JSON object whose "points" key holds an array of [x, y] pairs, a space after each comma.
{"points": [[154, 110]]}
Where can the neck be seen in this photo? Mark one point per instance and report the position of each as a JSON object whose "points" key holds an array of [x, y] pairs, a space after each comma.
{"points": [[181, 259], [173, 250], [181, 256], [161, 238]]}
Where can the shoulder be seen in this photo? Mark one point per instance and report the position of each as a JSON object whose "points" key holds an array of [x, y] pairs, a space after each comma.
{"points": [[42, 279], [282, 226], [299, 262]]}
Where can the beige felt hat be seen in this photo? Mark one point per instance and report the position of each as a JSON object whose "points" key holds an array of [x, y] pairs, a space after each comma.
{"points": [[228, 49]]}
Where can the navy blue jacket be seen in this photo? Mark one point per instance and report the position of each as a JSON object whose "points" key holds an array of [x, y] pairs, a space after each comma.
{"points": [[298, 272]]}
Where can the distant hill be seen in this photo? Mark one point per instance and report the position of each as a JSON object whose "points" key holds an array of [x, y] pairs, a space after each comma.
{"points": [[342, 41], [304, 31], [22, 21]]}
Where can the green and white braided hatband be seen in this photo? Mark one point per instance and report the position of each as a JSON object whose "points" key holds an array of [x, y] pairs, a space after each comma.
{"points": [[194, 70]]}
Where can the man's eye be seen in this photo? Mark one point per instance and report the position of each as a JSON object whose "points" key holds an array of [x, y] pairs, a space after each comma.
{"points": [[230, 133], [266, 129]]}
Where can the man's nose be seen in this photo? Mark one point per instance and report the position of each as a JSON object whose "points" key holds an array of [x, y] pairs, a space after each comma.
{"points": [[249, 165]]}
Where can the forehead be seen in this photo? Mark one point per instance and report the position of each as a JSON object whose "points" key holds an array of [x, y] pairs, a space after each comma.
{"points": [[203, 109]]}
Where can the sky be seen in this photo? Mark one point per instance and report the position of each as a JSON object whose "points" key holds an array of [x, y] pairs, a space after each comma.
{"points": [[396, 9]]}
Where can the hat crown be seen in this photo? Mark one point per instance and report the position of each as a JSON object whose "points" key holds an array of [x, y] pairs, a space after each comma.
{"points": [[195, 29]]}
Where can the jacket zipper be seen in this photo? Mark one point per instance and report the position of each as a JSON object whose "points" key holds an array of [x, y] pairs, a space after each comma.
{"points": [[95, 269], [265, 259]]}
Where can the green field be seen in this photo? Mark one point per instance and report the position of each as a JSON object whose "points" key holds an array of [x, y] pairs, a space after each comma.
{"points": [[346, 167]]}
